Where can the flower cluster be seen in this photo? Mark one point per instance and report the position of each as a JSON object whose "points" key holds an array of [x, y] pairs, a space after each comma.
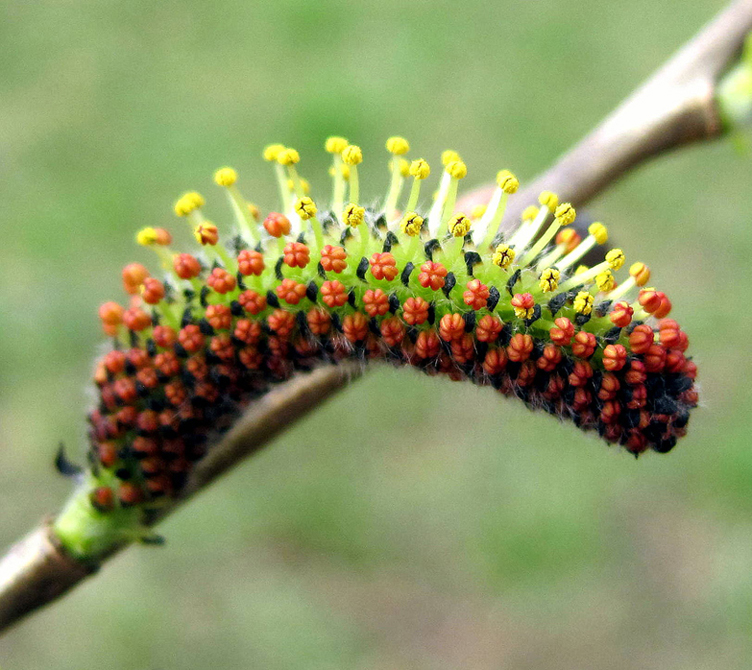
{"points": [[436, 289]]}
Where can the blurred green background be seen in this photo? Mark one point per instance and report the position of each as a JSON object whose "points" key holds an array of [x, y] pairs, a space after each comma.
{"points": [[411, 522]]}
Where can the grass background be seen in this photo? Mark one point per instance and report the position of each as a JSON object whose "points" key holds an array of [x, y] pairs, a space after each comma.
{"points": [[410, 523]]}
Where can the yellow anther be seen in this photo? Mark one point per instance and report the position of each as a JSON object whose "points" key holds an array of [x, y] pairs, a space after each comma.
{"points": [[615, 258], [420, 169], [354, 215], [305, 208], [288, 157], [581, 269], [397, 146], [449, 156], [188, 203], [206, 233], [583, 303], [507, 181], [147, 236], [599, 232], [183, 207], [457, 169], [335, 145], [605, 280], [411, 224], [529, 213], [565, 214], [225, 176], [196, 198], [272, 151], [524, 312], [478, 211], [459, 225], [503, 256], [303, 184], [253, 210], [352, 155], [549, 280], [550, 200], [640, 272]]}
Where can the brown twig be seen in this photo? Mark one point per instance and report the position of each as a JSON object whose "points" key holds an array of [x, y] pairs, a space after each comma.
{"points": [[37, 571], [675, 107]]}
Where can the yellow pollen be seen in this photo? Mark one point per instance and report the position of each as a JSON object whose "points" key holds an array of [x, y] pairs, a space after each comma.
{"points": [[272, 151], [581, 269], [615, 258], [449, 156], [411, 224], [354, 215], [503, 256], [225, 176], [335, 145], [188, 203], [565, 214], [352, 155], [288, 157], [404, 168], [599, 232], [529, 213], [550, 200], [459, 225], [420, 169], [457, 169], [605, 280], [507, 182], [524, 312], [640, 273], [478, 211], [205, 232], [305, 208], [397, 146], [549, 280], [583, 303], [196, 198], [146, 236]]}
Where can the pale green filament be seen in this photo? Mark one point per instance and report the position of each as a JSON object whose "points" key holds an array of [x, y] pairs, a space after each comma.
{"points": [[491, 220], [242, 215]]}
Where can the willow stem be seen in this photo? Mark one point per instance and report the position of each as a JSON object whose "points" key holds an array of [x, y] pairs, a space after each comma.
{"points": [[676, 106]]}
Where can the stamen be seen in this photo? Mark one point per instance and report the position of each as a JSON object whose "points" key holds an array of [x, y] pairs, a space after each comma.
{"points": [[352, 156], [335, 146], [419, 170], [527, 231], [598, 234], [271, 152], [227, 177], [564, 215], [434, 215], [157, 239], [507, 184], [411, 225], [566, 241], [458, 226], [306, 209], [639, 276], [397, 146]]}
